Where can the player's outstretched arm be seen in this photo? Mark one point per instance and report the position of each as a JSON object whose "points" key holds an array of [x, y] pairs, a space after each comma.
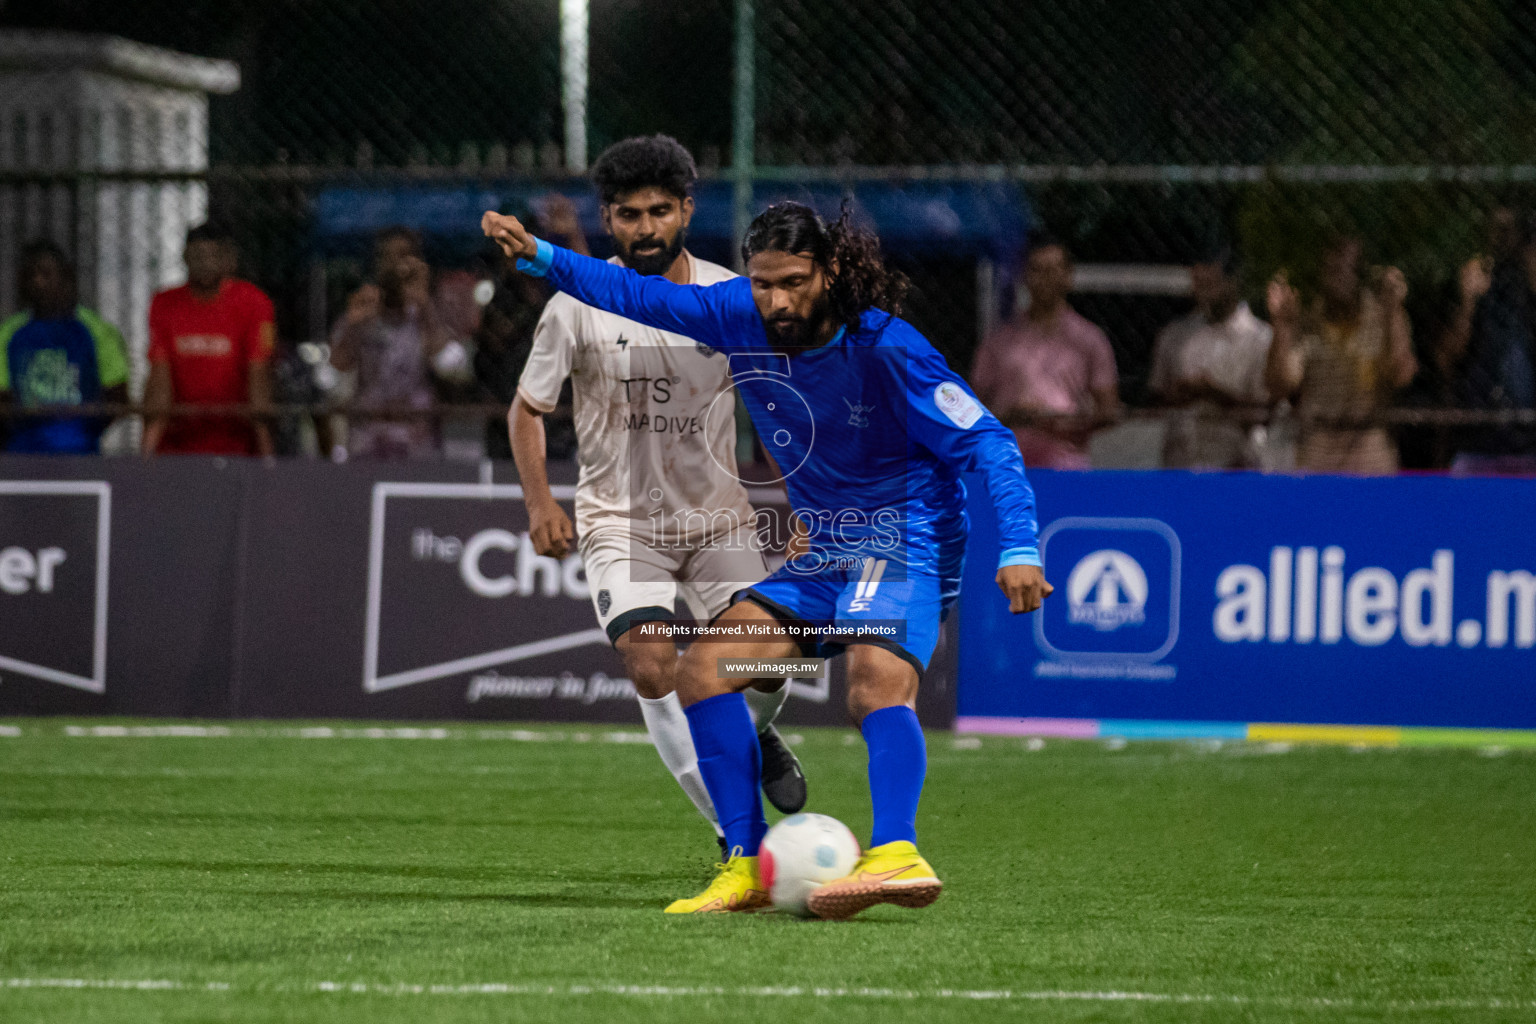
{"points": [[722, 315], [508, 232]]}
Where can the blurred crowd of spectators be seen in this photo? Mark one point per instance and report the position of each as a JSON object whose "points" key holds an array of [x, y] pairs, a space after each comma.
{"points": [[1332, 363], [411, 339]]}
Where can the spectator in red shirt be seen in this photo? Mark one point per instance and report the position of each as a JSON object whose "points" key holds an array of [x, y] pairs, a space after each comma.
{"points": [[210, 343]]}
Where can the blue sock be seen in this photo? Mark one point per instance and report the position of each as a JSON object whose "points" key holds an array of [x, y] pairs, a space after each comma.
{"points": [[732, 766], [898, 761]]}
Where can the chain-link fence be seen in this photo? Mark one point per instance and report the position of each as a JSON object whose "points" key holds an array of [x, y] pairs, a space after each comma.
{"points": [[1202, 82], [1145, 139]]}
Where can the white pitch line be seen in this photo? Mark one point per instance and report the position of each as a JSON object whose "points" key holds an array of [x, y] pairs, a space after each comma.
{"points": [[769, 992], [977, 995], [326, 732], [132, 985]]}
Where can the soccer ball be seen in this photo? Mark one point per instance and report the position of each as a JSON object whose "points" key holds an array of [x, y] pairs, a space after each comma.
{"points": [[801, 854]]}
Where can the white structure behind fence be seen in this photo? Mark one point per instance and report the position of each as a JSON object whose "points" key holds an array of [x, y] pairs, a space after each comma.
{"points": [[103, 145]]}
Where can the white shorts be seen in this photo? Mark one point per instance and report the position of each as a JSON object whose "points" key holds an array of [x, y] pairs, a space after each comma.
{"points": [[632, 583]]}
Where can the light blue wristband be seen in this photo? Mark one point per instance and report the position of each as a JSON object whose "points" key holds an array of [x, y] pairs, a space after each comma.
{"points": [[1019, 556], [539, 265]]}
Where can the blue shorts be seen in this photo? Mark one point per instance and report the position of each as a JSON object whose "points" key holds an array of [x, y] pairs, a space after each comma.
{"points": [[902, 613]]}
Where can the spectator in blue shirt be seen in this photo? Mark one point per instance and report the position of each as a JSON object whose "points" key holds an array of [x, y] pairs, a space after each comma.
{"points": [[57, 353]]}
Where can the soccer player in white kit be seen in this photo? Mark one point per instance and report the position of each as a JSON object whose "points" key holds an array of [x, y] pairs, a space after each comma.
{"points": [[660, 512]]}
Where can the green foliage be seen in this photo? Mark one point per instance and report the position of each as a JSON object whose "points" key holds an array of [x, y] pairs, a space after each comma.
{"points": [[1426, 230], [1383, 82], [1387, 81]]}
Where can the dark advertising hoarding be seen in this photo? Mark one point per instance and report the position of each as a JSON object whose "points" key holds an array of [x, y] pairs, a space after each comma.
{"points": [[207, 587]]}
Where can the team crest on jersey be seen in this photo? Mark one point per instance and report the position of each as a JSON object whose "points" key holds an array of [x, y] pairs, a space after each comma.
{"points": [[604, 601], [960, 408], [858, 415], [703, 349]]}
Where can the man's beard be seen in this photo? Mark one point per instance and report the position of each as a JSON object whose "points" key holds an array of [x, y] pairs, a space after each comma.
{"points": [[792, 331], [656, 261]]}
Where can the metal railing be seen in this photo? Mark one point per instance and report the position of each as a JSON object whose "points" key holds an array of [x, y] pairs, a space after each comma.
{"points": [[1245, 415]]}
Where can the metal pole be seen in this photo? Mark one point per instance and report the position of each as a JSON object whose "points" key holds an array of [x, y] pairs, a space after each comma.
{"points": [[573, 81], [986, 298], [744, 129]]}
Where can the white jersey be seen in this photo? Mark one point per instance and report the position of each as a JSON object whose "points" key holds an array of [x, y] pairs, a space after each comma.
{"points": [[654, 415]]}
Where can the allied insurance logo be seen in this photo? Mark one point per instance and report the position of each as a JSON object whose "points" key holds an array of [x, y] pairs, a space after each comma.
{"points": [[1122, 590], [1107, 590]]}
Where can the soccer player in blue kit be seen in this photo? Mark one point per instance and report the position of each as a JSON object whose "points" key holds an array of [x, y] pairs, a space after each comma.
{"points": [[872, 430]]}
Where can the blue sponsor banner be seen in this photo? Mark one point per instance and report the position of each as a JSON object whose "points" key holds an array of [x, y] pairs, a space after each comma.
{"points": [[955, 218], [1241, 597]]}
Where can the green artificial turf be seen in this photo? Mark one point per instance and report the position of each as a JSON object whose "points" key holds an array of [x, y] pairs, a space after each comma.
{"points": [[500, 874]]}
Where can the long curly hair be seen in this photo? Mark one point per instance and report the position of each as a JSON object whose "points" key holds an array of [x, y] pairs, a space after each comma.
{"points": [[847, 254]]}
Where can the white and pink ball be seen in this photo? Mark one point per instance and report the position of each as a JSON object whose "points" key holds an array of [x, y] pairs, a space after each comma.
{"points": [[801, 854]]}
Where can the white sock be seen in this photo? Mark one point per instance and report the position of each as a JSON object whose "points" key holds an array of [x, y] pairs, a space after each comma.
{"points": [[765, 706], [668, 726]]}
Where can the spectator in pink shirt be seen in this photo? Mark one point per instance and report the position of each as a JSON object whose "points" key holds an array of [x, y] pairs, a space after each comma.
{"points": [[1047, 372]]}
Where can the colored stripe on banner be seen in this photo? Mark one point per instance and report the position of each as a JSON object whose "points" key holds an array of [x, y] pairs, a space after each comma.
{"points": [[1469, 738], [1137, 729], [1353, 735], [1257, 732]]}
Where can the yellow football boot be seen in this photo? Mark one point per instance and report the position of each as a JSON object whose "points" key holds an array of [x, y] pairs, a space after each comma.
{"points": [[737, 887], [890, 873]]}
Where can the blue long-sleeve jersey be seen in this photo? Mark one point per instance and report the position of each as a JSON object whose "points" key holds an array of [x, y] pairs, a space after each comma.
{"points": [[872, 430]]}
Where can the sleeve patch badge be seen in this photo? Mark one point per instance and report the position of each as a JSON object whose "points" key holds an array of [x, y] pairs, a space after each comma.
{"points": [[961, 409]]}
